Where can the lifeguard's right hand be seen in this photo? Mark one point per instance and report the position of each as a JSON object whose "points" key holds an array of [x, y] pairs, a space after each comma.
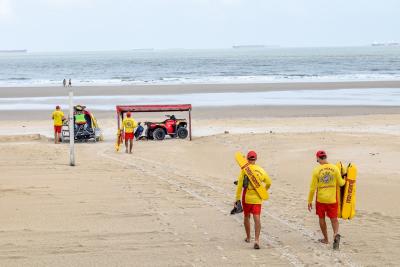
{"points": [[309, 207]]}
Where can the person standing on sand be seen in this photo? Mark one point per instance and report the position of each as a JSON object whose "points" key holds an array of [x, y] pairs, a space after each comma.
{"points": [[69, 82], [58, 118], [65, 82], [129, 125], [325, 179], [251, 201]]}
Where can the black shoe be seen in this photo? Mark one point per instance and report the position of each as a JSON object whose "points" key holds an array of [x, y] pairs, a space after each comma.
{"points": [[336, 242], [237, 208]]}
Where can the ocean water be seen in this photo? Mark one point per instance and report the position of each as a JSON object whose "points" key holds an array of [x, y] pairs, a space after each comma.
{"points": [[342, 97], [201, 66]]}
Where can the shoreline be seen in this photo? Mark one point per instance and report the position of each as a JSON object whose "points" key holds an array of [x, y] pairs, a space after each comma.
{"points": [[14, 92]]}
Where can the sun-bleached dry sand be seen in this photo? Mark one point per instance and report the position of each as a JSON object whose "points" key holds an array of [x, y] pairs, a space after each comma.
{"points": [[169, 202]]}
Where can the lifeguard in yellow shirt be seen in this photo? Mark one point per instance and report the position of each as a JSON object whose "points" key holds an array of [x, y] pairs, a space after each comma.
{"points": [[58, 118], [129, 125], [251, 201], [325, 179]]}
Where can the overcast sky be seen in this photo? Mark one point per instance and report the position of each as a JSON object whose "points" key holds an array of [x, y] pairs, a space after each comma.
{"points": [[71, 25]]}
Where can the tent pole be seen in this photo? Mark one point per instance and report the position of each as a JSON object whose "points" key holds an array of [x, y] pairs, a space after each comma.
{"points": [[118, 120], [190, 125]]}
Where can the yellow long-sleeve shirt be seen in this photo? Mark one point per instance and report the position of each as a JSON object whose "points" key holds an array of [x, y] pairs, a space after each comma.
{"points": [[325, 179], [129, 124], [57, 117], [252, 196]]}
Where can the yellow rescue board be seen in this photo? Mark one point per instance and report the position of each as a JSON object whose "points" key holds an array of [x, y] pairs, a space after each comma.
{"points": [[119, 140], [254, 175], [347, 193]]}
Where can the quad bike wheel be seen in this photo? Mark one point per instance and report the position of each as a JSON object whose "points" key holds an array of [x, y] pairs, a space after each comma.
{"points": [[159, 134], [182, 133]]}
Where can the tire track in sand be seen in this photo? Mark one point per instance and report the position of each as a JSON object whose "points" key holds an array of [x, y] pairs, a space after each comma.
{"points": [[274, 242], [296, 258]]}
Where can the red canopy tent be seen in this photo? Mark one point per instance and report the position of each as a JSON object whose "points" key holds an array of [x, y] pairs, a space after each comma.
{"points": [[121, 109]]}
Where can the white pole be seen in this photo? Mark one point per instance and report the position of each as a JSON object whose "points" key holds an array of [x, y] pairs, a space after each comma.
{"points": [[71, 130]]}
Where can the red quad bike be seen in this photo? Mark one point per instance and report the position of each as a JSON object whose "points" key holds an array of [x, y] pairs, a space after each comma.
{"points": [[172, 126]]}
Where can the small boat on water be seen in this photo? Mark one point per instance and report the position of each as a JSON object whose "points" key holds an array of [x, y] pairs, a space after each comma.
{"points": [[14, 51]]}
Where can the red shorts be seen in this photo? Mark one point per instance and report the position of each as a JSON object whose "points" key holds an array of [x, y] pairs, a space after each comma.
{"points": [[57, 129], [128, 136], [331, 210], [254, 209]]}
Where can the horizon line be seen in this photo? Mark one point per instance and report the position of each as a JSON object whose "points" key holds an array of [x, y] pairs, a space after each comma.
{"points": [[239, 47]]}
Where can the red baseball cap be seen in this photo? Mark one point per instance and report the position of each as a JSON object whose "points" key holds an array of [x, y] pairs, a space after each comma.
{"points": [[252, 155], [128, 114], [320, 154]]}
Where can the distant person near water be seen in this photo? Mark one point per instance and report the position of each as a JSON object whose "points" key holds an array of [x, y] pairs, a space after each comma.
{"points": [[65, 83], [58, 118], [251, 200], [69, 82], [129, 125], [325, 179]]}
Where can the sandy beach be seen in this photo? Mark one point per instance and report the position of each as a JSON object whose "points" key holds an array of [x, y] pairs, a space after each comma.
{"points": [[168, 204]]}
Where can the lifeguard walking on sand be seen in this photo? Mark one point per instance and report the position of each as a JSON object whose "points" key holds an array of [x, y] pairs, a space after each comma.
{"points": [[129, 125], [251, 200], [58, 118], [325, 179]]}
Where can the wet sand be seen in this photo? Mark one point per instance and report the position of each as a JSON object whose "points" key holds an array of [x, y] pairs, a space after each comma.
{"points": [[188, 88]]}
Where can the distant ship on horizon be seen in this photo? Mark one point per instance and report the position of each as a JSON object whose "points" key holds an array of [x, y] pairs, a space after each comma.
{"points": [[248, 46], [253, 46], [14, 51], [386, 44], [143, 49]]}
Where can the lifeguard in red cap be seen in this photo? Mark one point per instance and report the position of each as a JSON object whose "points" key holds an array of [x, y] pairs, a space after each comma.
{"points": [[58, 118], [129, 125], [325, 179], [251, 201]]}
